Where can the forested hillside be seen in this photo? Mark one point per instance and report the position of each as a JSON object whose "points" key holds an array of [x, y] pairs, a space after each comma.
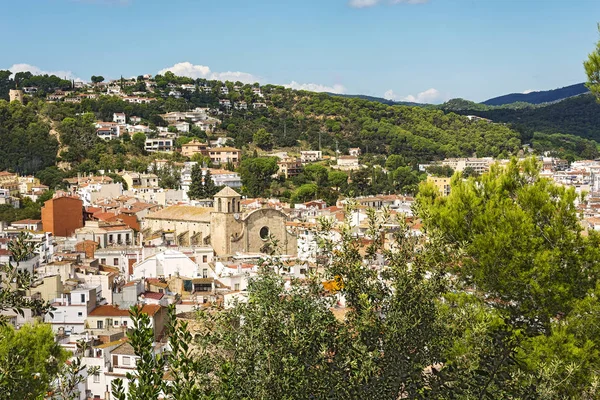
{"points": [[579, 116], [418, 134]]}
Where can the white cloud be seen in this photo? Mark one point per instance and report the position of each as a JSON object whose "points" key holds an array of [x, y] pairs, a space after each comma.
{"points": [[529, 91], [363, 3], [372, 3], [202, 71], [38, 71], [428, 96], [315, 87]]}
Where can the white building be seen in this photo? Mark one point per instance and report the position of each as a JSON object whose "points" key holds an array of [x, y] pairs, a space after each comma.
{"points": [[120, 118], [310, 156], [72, 309], [159, 144], [171, 263]]}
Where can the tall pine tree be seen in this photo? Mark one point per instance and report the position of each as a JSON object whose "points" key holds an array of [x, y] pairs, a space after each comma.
{"points": [[196, 187]]}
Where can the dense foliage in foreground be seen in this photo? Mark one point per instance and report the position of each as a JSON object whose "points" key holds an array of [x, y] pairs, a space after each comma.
{"points": [[500, 302]]}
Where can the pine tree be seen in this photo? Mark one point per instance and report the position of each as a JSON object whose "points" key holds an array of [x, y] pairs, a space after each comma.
{"points": [[210, 189], [197, 190]]}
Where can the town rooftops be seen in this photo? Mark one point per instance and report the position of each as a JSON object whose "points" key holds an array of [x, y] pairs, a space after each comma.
{"points": [[182, 213], [114, 311], [27, 222], [125, 349]]}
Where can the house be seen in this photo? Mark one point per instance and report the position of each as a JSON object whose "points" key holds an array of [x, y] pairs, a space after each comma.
{"points": [[207, 125], [224, 155], [120, 118], [62, 215], [171, 263], [106, 318], [28, 224], [159, 144], [71, 310], [441, 183], [310, 156], [135, 119], [347, 162], [354, 151], [241, 105], [136, 179], [225, 103], [194, 147], [224, 90], [182, 127], [112, 359], [259, 105], [290, 167], [106, 233]]}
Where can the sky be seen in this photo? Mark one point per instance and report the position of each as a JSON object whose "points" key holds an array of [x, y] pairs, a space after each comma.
{"points": [[406, 50]]}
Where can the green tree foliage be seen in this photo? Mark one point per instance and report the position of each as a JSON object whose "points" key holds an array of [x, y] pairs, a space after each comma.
{"points": [[256, 174], [30, 359], [337, 179], [578, 116], [146, 382], [521, 238], [6, 83], [169, 176], [97, 79], [44, 83], [565, 146], [440, 170], [306, 192], [79, 135], [202, 186], [139, 140], [263, 139], [592, 70], [26, 145], [15, 282]]}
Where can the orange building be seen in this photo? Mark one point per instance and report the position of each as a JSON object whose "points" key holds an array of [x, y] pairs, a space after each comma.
{"points": [[62, 215]]}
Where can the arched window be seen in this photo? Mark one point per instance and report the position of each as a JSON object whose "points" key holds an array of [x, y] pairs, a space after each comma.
{"points": [[220, 205]]}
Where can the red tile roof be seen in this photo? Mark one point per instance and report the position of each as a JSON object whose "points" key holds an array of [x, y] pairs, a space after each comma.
{"points": [[114, 311], [153, 295]]}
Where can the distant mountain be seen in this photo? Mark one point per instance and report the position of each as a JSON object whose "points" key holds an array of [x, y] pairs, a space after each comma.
{"points": [[546, 96]]}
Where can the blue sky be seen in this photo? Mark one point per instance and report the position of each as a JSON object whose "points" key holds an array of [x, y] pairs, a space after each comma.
{"points": [[422, 50]]}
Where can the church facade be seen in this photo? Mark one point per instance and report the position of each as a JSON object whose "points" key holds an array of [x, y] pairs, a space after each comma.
{"points": [[224, 227]]}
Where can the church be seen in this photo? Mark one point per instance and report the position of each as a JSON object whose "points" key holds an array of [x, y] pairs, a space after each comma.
{"points": [[224, 227]]}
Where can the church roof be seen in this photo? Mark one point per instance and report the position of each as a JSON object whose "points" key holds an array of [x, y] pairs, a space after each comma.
{"points": [[227, 192], [182, 213]]}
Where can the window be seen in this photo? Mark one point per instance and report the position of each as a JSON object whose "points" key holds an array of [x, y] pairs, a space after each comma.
{"points": [[110, 238], [96, 378], [99, 324], [205, 273], [83, 298], [116, 323], [264, 233], [116, 261], [125, 323], [103, 261], [204, 259], [236, 286], [80, 314], [126, 360]]}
